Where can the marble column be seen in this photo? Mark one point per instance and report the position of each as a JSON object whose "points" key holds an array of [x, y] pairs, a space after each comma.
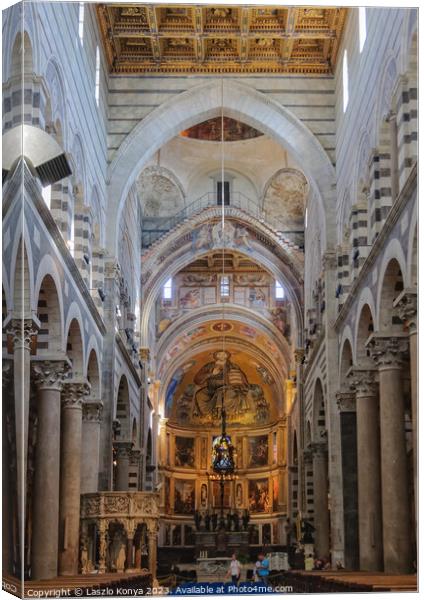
{"points": [[363, 381], [49, 377], [406, 305], [123, 455], [152, 533], [91, 419], [321, 513], [130, 548], [70, 475], [102, 546], [388, 352], [21, 331]]}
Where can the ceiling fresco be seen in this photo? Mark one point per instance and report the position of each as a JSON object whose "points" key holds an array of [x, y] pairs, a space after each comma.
{"points": [[211, 131], [146, 38], [196, 390]]}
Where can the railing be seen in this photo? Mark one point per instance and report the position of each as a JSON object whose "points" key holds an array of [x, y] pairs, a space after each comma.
{"points": [[155, 227]]}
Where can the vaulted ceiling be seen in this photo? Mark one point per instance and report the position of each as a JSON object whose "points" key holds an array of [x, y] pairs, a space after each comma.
{"points": [[161, 38]]}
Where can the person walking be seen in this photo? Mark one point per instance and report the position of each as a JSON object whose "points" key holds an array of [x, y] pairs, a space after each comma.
{"points": [[234, 570], [263, 571]]}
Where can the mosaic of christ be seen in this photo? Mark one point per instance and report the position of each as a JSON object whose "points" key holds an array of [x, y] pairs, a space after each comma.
{"points": [[220, 381]]}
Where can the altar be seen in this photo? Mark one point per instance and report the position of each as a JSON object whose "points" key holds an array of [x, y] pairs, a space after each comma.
{"points": [[221, 543]]}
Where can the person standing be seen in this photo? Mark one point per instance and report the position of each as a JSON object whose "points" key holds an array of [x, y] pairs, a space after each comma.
{"points": [[263, 571], [235, 569]]}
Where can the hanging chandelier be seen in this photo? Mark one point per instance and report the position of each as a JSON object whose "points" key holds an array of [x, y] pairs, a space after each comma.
{"points": [[223, 451]]}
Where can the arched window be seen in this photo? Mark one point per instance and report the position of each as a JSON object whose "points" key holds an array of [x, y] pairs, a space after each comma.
{"points": [[97, 90], [362, 27], [279, 291], [81, 22], [345, 82], [167, 290]]}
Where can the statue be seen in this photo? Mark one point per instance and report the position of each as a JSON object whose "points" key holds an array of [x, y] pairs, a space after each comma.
{"points": [[120, 560], [84, 559]]}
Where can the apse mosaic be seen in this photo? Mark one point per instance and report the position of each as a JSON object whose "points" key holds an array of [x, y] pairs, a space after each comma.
{"points": [[197, 390], [211, 130]]}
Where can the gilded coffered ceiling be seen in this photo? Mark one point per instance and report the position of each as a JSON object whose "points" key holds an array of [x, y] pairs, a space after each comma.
{"points": [[160, 38]]}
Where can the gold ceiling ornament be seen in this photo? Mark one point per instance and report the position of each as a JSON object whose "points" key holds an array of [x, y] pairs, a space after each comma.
{"points": [[160, 38]]}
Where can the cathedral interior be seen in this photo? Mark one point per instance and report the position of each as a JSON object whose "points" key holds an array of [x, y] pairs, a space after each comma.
{"points": [[209, 287]]}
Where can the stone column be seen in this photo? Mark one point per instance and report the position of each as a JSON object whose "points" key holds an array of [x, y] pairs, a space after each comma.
{"points": [[321, 514], [406, 304], [91, 419], [369, 469], [49, 377], [70, 475], [388, 352], [123, 454], [152, 533], [22, 332], [102, 546], [130, 548]]}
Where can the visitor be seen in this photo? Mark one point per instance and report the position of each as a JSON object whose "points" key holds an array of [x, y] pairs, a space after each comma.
{"points": [[235, 569], [309, 563], [256, 570], [263, 571]]}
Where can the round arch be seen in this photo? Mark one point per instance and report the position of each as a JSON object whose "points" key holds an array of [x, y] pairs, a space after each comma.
{"points": [[346, 354], [364, 328], [393, 254], [93, 370], [203, 102], [278, 267]]}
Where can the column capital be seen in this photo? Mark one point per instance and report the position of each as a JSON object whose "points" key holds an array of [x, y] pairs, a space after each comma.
{"points": [[135, 456], [388, 350], [345, 401], [123, 449], [319, 449], [406, 308], [299, 355], [51, 374], [363, 381], [22, 330], [329, 260], [92, 411], [74, 392], [144, 353]]}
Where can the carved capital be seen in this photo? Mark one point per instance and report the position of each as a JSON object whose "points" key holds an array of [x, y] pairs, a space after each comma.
{"points": [[363, 382], [51, 374], [92, 411], [388, 351], [144, 353], [346, 401], [329, 260], [74, 392], [22, 331], [135, 457], [406, 308], [299, 355], [123, 449], [318, 449]]}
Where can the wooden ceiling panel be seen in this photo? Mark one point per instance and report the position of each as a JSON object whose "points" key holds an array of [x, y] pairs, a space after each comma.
{"points": [[147, 38]]}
